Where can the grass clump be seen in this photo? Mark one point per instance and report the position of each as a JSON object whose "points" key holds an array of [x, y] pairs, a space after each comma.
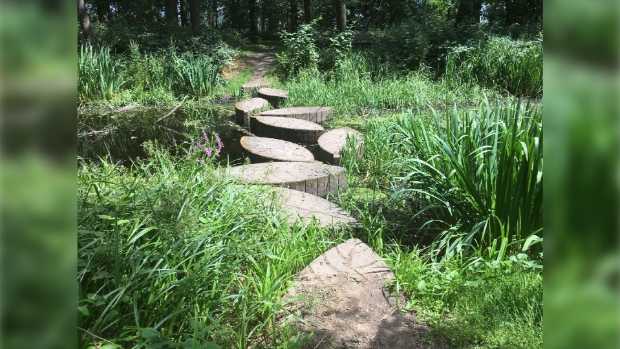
{"points": [[171, 252], [515, 66]]}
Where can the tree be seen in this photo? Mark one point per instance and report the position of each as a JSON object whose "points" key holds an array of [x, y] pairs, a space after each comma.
{"points": [[87, 30], [341, 16], [194, 14], [103, 10], [468, 11], [253, 28], [184, 14], [307, 13], [293, 13], [171, 12]]}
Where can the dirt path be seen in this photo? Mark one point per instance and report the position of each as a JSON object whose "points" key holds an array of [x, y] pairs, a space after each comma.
{"points": [[260, 62]]}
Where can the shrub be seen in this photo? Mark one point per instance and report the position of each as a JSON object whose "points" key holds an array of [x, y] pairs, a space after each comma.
{"points": [[300, 51]]}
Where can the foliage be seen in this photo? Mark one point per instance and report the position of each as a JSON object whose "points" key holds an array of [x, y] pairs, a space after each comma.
{"points": [[512, 65], [98, 74], [481, 173], [172, 252], [359, 86], [300, 51]]}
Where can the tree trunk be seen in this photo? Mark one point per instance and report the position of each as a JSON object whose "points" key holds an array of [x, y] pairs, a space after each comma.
{"points": [[341, 16], [103, 10], [194, 13], [183, 10], [293, 21], [214, 14], [172, 14], [468, 11], [252, 7], [87, 30], [307, 14]]}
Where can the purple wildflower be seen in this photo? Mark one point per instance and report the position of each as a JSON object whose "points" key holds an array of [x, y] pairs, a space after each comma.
{"points": [[174, 140], [219, 143], [202, 161], [204, 134], [198, 144], [209, 151]]}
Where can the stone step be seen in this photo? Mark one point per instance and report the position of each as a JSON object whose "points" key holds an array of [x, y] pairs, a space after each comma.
{"points": [[314, 114], [244, 109], [253, 86], [351, 307], [262, 149], [288, 129], [332, 142], [313, 178], [304, 206], [274, 96]]}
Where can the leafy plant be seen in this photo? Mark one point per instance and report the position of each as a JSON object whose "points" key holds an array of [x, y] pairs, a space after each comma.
{"points": [[481, 173], [99, 74], [300, 51]]}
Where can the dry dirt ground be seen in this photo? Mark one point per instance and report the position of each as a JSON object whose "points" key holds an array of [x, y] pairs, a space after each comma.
{"points": [[259, 62], [341, 298]]}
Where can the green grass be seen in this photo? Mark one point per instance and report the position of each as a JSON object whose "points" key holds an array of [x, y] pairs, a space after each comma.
{"points": [[514, 66], [172, 252], [354, 90]]}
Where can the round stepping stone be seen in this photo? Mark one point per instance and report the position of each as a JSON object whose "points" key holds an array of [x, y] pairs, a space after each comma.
{"points": [[272, 95], [261, 149], [253, 86], [244, 109], [314, 114], [332, 142], [310, 177], [304, 206], [350, 305], [292, 130]]}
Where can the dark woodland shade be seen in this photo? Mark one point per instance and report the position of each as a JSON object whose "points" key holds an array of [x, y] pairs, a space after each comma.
{"points": [[268, 17]]}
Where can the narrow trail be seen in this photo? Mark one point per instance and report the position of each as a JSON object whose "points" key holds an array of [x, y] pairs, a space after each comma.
{"points": [[261, 61], [343, 296]]}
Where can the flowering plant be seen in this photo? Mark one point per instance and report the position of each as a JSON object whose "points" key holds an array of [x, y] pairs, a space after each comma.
{"points": [[203, 149]]}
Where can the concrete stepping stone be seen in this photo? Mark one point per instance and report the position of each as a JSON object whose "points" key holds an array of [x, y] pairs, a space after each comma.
{"points": [[288, 129], [274, 96], [304, 206], [261, 149], [314, 114], [332, 142], [313, 178], [341, 297], [244, 109]]}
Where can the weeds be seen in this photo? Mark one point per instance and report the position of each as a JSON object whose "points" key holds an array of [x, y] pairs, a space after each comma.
{"points": [[98, 74], [514, 66]]}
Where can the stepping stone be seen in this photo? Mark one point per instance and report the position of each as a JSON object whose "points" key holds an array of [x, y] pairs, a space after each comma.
{"points": [[261, 149], [272, 95], [341, 297], [313, 178], [244, 109], [253, 86], [332, 142], [314, 114], [304, 206], [292, 130]]}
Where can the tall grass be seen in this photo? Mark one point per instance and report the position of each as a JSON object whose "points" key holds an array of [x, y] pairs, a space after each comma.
{"points": [[481, 172], [513, 65], [358, 86], [172, 253], [99, 74]]}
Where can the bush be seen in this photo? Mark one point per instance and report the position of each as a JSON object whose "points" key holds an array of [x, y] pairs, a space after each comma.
{"points": [[300, 51]]}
